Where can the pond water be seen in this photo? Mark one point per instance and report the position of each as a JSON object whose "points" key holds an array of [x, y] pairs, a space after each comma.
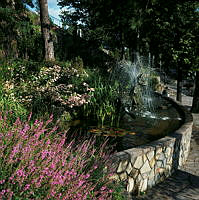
{"points": [[144, 128], [146, 116]]}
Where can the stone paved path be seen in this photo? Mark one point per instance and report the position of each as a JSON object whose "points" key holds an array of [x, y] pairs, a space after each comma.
{"points": [[184, 184]]}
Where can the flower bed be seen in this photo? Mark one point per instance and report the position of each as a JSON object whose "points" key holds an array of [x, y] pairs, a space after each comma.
{"points": [[38, 162]]}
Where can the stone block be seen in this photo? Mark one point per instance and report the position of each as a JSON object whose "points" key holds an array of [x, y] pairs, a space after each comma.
{"points": [[157, 178], [161, 156], [159, 164], [158, 150], [170, 160], [122, 166], [123, 176], [131, 184], [161, 170], [151, 175], [115, 177], [152, 163], [138, 162], [164, 162], [150, 155], [129, 168], [134, 173], [144, 185], [168, 152], [144, 158], [145, 168], [146, 175], [139, 178], [151, 183]]}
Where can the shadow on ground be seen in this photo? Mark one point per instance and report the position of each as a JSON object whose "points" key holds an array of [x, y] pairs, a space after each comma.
{"points": [[180, 186]]}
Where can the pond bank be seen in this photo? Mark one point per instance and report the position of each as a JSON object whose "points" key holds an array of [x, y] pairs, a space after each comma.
{"points": [[184, 183], [147, 165]]}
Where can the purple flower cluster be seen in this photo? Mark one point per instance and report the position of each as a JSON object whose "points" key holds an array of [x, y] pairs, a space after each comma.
{"points": [[39, 163]]}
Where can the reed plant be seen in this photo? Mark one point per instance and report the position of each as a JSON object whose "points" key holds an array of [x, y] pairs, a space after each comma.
{"points": [[102, 105]]}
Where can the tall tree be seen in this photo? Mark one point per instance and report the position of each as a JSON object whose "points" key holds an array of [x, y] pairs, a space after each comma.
{"points": [[16, 28], [162, 28], [45, 28], [106, 22], [168, 27]]}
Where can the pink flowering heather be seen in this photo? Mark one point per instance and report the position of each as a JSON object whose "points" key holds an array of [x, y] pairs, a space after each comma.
{"points": [[38, 163]]}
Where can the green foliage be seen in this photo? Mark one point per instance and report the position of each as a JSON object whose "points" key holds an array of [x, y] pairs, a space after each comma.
{"points": [[167, 29], [45, 87], [104, 22], [7, 103], [170, 30], [101, 107], [118, 191], [29, 42], [19, 35]]}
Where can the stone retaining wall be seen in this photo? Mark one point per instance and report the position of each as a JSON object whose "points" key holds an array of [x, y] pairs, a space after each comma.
{"points": [[145, 166]]}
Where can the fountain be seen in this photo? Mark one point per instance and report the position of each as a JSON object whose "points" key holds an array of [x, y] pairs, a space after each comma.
{"points": [[153, 139], [144, 115], [135, 86], [147, 116], [159, 128]]}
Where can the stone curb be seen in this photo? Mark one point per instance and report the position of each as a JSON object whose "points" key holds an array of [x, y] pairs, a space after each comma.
{"points": [[145, 166]]}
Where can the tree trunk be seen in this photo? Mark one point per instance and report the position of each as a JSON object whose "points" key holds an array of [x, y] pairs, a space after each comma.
{"points": [[195, 104], [45, 28], [179, 84]]}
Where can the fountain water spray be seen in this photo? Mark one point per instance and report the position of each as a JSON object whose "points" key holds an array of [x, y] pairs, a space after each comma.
{"points": [[134, 82]]}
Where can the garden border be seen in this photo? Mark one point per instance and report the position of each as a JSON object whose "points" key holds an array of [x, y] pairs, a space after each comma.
{"points": [[145, 166]]}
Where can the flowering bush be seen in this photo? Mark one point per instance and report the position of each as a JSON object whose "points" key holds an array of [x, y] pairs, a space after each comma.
{"points": [[36, 162], [48, 87]]}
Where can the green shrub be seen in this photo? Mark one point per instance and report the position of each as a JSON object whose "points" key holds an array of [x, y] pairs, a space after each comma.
{"points": [[45, 87]]}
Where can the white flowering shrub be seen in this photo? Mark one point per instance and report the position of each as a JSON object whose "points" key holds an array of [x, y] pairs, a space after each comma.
{"points": [[48, 86]]}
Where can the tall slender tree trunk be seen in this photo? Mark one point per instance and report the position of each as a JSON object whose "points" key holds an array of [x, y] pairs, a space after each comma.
{"points": [[179, 84], [45, 28], [195, 104]]}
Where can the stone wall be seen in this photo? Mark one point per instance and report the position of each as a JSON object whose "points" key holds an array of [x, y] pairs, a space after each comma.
{"points": [[143, 167]]}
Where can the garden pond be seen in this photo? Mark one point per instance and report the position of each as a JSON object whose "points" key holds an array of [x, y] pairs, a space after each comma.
{"points": [[144, 128]]}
